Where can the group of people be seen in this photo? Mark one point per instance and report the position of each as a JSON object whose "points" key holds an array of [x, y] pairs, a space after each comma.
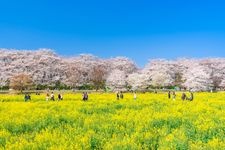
{"points": [[183, 96], [119, 95], [85, 96], [52, 97], [27, 97], [173, 95]]}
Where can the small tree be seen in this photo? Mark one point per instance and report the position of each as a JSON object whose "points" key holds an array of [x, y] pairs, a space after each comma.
{"points": [[21, 82]]}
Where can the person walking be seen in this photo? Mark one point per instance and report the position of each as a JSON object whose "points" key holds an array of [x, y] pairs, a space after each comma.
{"points": [[183, 96], [29, 97], [85, 96], [135, 96], [47, 96], [169, 95], [52, 97], [59, 97], [26, 98], [191, 97], [118, 95], [174, 95], [121, 95]]}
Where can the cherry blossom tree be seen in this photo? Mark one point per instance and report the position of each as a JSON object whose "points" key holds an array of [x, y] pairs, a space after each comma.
{"points": [[73, 76], [116, 81], [216, 68], [197, 78], [122, 63], [161, 72], [43, 65], [138, 81], [49, 69]]}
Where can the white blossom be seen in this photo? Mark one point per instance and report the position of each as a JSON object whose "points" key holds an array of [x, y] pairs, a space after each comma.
{"points": [[116, 81]]}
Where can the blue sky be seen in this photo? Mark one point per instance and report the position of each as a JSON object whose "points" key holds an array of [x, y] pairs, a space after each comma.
{"points": [[140, 29]]}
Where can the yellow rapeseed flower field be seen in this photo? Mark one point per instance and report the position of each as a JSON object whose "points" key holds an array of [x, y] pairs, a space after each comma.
{"points": [[152, 121]]}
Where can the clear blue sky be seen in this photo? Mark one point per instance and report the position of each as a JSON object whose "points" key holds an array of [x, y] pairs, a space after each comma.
{"points": [[138, 29]]}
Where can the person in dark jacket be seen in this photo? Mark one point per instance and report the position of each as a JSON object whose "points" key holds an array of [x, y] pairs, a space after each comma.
{"points": [[27, 97], [118, 95], [121, 95], [183, 97], [85, 96], [60, 97], [169, 95], [52, 97]]}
